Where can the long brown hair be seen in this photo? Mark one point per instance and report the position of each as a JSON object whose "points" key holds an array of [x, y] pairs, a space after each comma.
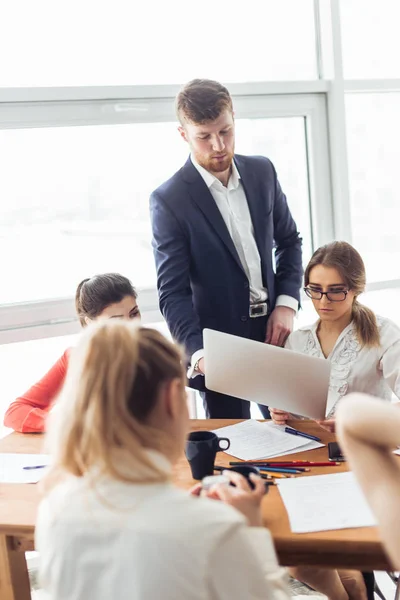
{"points": [[113, 383], [348, 262], [95, 293]]}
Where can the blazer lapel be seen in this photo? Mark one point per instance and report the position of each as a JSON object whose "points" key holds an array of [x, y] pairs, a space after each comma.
{"points": [[204, 200]]}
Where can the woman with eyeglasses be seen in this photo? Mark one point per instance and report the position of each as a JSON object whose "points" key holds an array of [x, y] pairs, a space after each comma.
{"points": [[363, 348], [364, 352]]}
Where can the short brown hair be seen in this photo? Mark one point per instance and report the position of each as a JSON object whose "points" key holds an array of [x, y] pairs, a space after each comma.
{"points": [[348, 262], [202, 100]]}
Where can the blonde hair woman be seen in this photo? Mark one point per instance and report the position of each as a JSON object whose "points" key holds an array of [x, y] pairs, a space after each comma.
{"points": [[364, 352], [111, 524]]}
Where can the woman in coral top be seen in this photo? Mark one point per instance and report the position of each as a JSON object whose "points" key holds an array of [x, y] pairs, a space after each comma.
{"points": [[107, 296]]}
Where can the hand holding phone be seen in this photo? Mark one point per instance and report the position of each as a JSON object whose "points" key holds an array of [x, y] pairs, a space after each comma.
{"points": [[335, 452]]}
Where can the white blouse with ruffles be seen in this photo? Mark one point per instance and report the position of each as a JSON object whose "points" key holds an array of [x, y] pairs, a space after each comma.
{"points": [[355, 368]]}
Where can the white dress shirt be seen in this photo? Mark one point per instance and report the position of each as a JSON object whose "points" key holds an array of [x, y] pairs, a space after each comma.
{"points": [[233, 206], [355, 368], [144, 542]]}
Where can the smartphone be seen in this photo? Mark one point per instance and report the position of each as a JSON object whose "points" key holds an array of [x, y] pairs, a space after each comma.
{"points": [[335, 453], [211, 480]]}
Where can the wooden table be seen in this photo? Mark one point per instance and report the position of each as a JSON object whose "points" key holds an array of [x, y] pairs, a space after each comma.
{"points": [[357, 548]]}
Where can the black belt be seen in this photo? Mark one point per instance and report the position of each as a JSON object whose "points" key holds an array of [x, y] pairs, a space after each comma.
{"points": [[258, 310]]}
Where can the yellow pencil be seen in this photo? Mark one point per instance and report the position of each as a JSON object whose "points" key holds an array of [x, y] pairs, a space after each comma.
{"points": [[275, 475]]}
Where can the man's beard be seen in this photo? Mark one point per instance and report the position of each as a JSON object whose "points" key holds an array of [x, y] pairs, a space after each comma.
{"points": [[216, 166]]}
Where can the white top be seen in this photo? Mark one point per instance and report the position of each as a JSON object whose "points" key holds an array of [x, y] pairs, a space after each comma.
{"points": [[355, 368], [141, 542], [232, 204]]}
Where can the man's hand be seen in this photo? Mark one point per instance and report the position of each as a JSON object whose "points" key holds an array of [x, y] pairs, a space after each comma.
{"points": [[200, 366], [279, 325], [279, 417]]}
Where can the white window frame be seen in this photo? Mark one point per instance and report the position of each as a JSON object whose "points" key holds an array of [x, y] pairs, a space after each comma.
{"points": [[321, 102], [62, 107]]}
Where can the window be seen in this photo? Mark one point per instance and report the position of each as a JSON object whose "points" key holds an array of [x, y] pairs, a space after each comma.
{"points": [[373, 132], [77, 197], [131, 43], [77, 204], [371, 43], [283, 140]]}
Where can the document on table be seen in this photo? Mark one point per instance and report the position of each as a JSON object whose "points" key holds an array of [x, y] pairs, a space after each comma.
{"points": [[12, 467], [324, 502], [251, 440]]}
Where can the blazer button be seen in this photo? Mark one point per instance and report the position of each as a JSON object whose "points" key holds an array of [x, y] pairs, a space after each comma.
{"points": [[243, 318]]}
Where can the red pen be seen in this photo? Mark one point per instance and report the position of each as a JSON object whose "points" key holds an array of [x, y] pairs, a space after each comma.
{"points": [[294, 464], [305, 464]]}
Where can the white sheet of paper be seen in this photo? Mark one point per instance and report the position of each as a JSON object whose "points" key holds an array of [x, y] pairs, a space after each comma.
{"points": [[324, 502], [251, 440], [12, 471]]}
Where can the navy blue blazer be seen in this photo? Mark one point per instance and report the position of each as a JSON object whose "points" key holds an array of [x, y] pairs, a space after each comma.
{"points": [[200, 279]]}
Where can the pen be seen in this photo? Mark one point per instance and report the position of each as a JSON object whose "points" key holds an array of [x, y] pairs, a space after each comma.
{"points": [[296, 465], [277, 475], [276, 466], [280, 470], [306, 435], [34, 467], [293, 463]]}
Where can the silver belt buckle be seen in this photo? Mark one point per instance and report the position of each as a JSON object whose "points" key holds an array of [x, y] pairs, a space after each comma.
{"points": [[258, 310]]}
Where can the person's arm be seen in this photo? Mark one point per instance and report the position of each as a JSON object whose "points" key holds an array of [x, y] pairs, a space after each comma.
{"points": [[172, 257], [28, 413], [244, 565], [368, 431]]}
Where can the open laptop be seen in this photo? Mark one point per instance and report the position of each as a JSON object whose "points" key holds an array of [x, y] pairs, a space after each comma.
{"points": [[266, 374]]}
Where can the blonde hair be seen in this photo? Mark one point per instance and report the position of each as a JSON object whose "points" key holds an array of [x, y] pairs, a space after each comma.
{"points": [[113, 383], [343, 257]]}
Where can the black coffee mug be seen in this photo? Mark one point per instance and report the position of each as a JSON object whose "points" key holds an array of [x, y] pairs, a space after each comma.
{"points": [[201, 449]]}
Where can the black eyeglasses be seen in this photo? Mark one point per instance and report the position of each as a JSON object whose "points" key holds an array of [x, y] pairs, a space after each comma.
{"points": [[332, 296]]}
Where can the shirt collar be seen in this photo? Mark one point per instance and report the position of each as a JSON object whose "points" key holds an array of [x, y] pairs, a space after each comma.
{"points": [[210, 179]]}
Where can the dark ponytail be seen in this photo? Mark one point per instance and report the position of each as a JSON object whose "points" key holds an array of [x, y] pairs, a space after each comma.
{"points": [[94, 294]]}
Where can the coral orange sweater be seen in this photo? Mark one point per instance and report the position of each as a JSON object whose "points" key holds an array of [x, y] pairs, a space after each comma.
{"points": [[28, 413]]}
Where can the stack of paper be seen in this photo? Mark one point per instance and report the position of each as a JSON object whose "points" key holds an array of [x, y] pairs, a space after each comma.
{"points": [[12, 467], [323, 502], [251, 440]]}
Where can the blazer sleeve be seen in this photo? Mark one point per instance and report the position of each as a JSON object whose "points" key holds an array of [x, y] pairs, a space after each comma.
{"points": [[288, 254], [172, 257], [28, 413]]}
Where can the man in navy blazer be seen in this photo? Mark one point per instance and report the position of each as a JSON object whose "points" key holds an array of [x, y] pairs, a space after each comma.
{"points": [[216, 224]]}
